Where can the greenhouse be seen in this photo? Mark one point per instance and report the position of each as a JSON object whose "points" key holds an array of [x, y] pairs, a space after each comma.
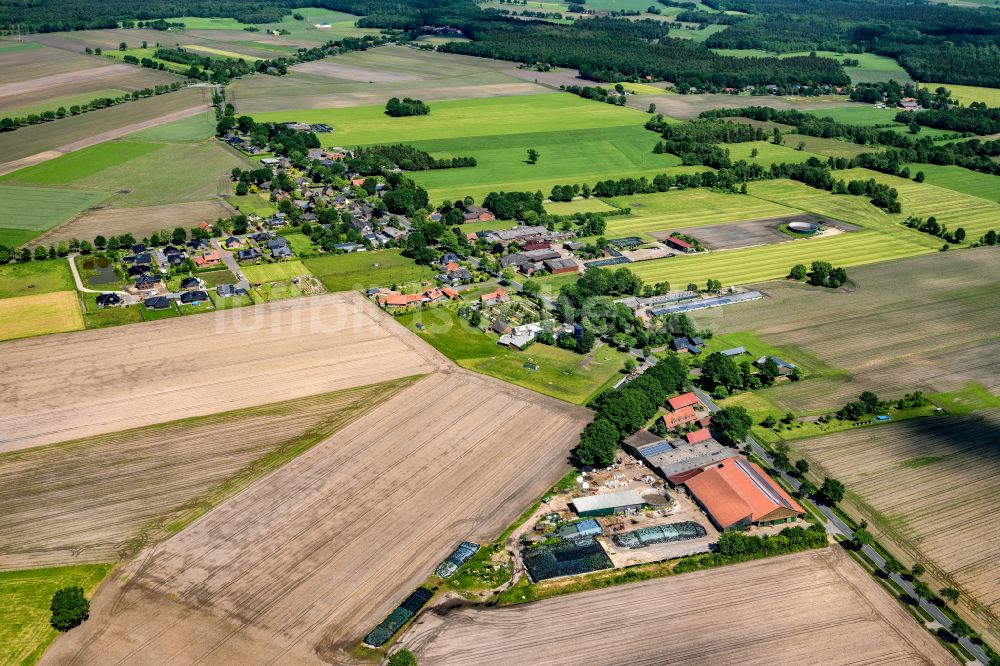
{"points": [[459, 556], [648, 536], [566, 558]]}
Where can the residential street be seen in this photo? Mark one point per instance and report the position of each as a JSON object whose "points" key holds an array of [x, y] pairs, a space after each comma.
{"points": [[230, 262], [836, 526]]}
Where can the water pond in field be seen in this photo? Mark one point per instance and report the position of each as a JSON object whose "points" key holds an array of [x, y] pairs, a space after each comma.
{"points": [[98, 271]]}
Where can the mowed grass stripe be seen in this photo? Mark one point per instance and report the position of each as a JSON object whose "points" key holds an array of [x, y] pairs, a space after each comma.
{"points": [[772, 262], [39, 209], [462, 118], [954, 209], [688, 208]]}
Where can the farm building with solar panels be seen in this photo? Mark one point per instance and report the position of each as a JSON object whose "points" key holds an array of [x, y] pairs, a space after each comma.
{"points": [[737, 494]]}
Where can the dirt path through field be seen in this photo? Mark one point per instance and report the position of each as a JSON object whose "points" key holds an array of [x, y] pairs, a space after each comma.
{"points": [[38, 158]]}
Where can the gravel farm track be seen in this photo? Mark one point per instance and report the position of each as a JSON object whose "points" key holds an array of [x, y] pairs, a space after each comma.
{"points": [[302, 564], [817, 607], [57, 388]]}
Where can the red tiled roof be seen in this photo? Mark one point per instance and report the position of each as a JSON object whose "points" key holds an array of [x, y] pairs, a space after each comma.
{"points": [[449, 292], [452, 267], [492, 296], [698, 436], [679, 417], [736, 489], [403, 299], [679, 242], [683, 400]]}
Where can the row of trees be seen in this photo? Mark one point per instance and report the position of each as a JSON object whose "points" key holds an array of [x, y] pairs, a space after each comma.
{"points": [[382, 158], [10, 124], [934, 228], [621, 412]]}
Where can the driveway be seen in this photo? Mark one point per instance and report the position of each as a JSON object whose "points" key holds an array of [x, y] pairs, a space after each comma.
{"points": [[229, 259]]}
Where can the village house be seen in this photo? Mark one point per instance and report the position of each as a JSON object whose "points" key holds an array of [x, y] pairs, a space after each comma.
{"points": [[478, 214], [208, 259], [494, 298]]}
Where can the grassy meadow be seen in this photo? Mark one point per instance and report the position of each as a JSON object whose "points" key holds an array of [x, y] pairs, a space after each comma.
{"points": [[25, 596], [968, 94], [285, 270], [28, 211], [561, 374], [462, 119], [36, 277], [964, 181], [363, 270]]}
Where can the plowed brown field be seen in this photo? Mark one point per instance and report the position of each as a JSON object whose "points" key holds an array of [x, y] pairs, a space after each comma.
{"points": [[311, 557], [929, 488], [103, 498], [62, 387], [811, 608]]}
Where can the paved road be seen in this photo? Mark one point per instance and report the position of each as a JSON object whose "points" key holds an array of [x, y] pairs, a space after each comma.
{"points": [[836, 526], [230, 262]]}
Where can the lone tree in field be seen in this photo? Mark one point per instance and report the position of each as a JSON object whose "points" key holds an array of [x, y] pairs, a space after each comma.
{"points": [[832, 491], [533, 156], [402, 658], [69, 608], [798, 272]]}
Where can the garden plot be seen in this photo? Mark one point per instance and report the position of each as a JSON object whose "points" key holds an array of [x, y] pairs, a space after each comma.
{"points": [[930, 488], [301, 565], [816, 607], [60, 388]]}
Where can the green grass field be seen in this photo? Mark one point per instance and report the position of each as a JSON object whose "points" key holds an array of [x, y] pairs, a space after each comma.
{"points": [[24, 607], [562, 374], [698, 35], [36, 277], [461, 119], [28, 211], [870, 68], [859, 114], [80, 164], [968, 94], [140, 174], [286, 270], [188, 130], [768, 153], [576, 206], [65, 102], [829, 147], [255, 204], [687, 208], [951, 207], [566, 157], [363, 270], [961, 180]]}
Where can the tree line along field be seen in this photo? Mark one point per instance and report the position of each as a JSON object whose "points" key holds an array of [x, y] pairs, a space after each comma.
{"points": [[870, 68], [926, 323], [47, 140], [24, 607], [814, 607], [66, 387], [103, 498], [929, 489], [295, 568]]}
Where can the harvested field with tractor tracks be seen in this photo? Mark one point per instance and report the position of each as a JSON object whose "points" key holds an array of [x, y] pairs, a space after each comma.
{"points": [[302, 564], [817, 607]]}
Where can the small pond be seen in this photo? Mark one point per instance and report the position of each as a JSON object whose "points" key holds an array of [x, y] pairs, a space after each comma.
{"points": [[98, 271]]}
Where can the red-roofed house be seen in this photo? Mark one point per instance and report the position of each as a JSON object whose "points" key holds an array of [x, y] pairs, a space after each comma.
{"points": [[679, 417], [736, 494], [679, 244], [683, 400], [452, 267], [357, 182], [698, 436], [208, 259], [449, 292], [495, 297]]}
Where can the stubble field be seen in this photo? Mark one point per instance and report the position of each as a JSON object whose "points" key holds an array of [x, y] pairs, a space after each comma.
{"points": [[815, 607], [58, 388], [26, 316], [103, 498], [929, 489], [310, 558]]}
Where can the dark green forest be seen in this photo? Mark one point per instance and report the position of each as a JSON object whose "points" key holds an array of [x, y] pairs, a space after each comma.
{"points": [[933, 42]]}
